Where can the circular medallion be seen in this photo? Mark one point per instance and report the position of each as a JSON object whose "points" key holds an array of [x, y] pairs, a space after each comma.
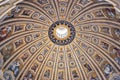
{"points": [[50, 63], [72, 64], [61, 32], [40, 58], [61, 65], [33, 49]]}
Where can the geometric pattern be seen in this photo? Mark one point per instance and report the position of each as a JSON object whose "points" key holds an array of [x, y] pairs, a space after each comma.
{"points": [[27, 52]]}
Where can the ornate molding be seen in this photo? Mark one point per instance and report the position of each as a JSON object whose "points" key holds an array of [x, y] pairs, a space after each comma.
{"points": [[7, 5], [116, 4]]}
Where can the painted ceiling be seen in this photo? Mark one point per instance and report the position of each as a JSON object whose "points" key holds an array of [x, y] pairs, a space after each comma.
{"points": [[60, 40]]}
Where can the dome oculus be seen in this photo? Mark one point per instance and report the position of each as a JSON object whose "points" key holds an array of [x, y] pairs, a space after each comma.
{"points": [[61, 32]]}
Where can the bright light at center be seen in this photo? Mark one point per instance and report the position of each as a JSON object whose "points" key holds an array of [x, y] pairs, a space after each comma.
{"points": [[61, 32]]}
